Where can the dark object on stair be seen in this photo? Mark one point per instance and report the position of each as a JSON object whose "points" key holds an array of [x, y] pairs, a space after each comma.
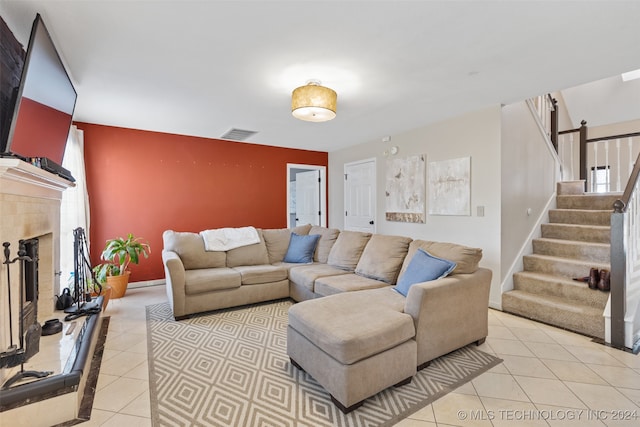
{"points": [[594, 278], [52, 326], [604, 284], [581, 279]]}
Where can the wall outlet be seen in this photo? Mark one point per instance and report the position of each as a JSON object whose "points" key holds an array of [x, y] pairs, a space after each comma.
{"points": [[480, 211]]}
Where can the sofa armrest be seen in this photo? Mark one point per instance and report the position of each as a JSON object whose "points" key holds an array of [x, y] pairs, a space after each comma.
{"points": [[175, 279], [449, 313]]}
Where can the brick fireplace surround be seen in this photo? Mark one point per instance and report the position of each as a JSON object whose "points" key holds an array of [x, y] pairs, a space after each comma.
{"points": [[30, 207]]}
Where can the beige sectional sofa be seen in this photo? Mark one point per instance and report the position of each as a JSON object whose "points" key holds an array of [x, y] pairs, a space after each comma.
{"points": [[350, 321]]}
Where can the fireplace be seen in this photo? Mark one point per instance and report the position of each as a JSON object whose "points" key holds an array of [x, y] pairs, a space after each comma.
{"points": [[29, 307], [30, 213]]}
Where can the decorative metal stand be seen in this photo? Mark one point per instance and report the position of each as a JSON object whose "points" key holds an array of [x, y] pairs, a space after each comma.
{"points": [[15, 356], [83, 303]]}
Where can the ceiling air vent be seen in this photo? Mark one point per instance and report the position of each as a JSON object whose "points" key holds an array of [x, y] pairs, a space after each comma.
{"points": [[238, 134]]}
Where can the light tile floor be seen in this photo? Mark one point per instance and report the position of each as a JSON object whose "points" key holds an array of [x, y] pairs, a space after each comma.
{"points": [[549, 377]]}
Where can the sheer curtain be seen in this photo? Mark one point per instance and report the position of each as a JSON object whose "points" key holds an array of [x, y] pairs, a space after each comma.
{"points": [[74, 211]]}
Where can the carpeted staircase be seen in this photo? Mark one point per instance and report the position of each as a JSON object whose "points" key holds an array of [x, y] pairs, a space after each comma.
{"points": [[575, 239]]}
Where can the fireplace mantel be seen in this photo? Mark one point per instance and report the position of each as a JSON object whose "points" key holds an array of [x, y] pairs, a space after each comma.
{"points": [[23, 179]]}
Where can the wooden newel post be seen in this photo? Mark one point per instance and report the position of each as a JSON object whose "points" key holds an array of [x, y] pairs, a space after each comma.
{"points": [[583, 152], [554, 123]]}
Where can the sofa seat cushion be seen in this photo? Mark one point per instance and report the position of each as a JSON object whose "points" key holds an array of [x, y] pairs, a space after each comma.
{"points": [[210, 279], [347, 249], [306, 275], [286, 265], [258, 274], [345, 283], [190, 249], [350, 326], [382, 257]]}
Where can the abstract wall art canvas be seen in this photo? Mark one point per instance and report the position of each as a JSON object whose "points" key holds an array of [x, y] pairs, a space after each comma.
{"points": [[450, 187], [405, 189]]}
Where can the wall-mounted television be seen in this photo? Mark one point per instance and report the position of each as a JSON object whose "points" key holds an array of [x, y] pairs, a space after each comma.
{"points": [[45, 102]]}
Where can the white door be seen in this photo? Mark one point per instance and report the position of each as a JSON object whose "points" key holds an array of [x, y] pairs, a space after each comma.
{"points": [[360, 196], [308, 198]]}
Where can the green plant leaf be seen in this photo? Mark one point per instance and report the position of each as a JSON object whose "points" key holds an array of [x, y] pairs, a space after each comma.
{"points": [[120, 252]]}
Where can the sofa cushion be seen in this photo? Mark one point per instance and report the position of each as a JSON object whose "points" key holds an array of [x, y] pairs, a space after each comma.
{"points": [[423, 268], [345, 283], [255, 254], [382, 257], [301, 248], [277, 240], [349, 335], [328, 238], [466, 258], [306, 275], [210, 279], [190, 249], [258, 274], [346, 252]]}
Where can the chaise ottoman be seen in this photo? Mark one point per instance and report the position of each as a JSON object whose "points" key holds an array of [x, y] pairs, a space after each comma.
{"points": [[352, 345]]}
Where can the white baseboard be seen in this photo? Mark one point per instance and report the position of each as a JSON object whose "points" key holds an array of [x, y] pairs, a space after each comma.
{"points": [[146, 283]]}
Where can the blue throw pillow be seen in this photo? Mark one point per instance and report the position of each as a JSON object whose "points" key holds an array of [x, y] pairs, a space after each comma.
{"points": [[423, 268], [301, 248]]}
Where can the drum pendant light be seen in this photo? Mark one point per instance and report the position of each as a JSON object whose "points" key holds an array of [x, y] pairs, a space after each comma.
{"points": [[313, 102]]}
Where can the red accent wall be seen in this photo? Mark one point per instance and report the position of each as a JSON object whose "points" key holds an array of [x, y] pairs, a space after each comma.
{"points": [[148, 182], [41, 131]]}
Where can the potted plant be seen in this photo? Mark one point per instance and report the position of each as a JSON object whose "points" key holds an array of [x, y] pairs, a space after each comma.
{"points": [[118, 254]]}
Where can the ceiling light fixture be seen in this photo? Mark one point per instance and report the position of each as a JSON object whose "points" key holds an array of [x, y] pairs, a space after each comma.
{"points": [[313, 102]]}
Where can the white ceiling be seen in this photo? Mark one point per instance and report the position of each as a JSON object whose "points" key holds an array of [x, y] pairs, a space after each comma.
{"points": [[603, 102], [203, 67]]}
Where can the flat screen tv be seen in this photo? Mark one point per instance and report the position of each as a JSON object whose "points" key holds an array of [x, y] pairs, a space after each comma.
{"points": [[44, 104]]}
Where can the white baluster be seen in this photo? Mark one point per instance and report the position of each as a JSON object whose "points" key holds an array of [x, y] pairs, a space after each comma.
{"points": [[618, 180], [595, 167], [607, 169], [571, 148]]}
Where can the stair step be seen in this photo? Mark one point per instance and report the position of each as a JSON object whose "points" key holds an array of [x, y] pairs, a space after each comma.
{"points": [[586, 251], [577, 232], [570, 187], [555, 311], [559, 287], [565, 267], [580, 216], [589, 201]]}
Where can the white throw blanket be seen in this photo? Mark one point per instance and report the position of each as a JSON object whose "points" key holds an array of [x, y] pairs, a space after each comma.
{"points": [[224, 239]]}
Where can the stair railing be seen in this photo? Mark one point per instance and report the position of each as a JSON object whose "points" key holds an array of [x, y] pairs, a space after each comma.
{"points": [[615, 153], [625, 264], [546, 108], [545, 114]]}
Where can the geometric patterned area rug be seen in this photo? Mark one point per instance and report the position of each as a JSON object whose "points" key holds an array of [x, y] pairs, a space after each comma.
{"points": [[230, 368]]}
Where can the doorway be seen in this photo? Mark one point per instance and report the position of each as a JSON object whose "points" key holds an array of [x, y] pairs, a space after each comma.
{"points": [[360, 196], [306, 195]]}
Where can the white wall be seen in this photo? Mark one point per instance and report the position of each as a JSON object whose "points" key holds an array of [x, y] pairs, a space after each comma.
{"points": [[475, 135], [528, 182]]}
